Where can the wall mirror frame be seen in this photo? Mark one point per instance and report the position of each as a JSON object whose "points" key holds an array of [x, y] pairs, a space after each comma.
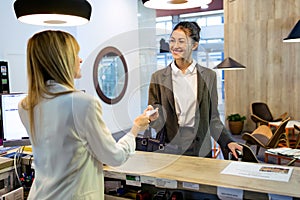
{"points": [[110, 74]]}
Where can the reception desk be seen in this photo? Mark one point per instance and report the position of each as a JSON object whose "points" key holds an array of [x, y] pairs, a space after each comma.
{"points": [[7, 175], [200, 175]]}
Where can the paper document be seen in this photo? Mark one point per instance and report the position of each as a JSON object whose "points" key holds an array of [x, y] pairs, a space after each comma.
{"points": [[252, 170], [285, 151]]}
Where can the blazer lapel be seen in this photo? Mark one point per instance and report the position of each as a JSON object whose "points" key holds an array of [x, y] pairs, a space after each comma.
{"points": [[200, 82], [168, 86], [199, 97]]}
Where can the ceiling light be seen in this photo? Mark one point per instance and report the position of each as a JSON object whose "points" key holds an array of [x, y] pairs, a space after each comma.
{"points": [[53, 12], [294, 35], [204, 6], [229, 64], [175, 4]]}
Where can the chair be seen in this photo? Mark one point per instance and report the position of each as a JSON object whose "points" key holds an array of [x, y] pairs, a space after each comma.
{"points": [[261, 114], [298, 137], [263, 136], [247, 155]]}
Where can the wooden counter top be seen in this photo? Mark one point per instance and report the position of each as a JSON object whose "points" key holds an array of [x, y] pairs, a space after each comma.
{"points": [[203, 171], [6, 162]]}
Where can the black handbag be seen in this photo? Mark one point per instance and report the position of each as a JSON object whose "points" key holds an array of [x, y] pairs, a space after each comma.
{"points": [[147, 143]]}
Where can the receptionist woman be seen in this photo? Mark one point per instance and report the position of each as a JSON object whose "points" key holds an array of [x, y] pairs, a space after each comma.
{"points": [[186, 94], [70, 140]]}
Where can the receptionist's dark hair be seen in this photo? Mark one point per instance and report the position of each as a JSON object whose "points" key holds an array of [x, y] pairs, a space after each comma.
{"points": [[191, 29]]}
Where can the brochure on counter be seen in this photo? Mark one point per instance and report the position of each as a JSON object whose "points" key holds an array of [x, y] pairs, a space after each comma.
{"points": [[252, 170]]}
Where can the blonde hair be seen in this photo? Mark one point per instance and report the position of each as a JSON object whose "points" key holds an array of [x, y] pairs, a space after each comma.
{"points": [[51, 55]]}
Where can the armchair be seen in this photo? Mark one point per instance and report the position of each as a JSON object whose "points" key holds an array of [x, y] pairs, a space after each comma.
{"points": [[261, 114], [247, 154], [298, 137], [263, 136]]}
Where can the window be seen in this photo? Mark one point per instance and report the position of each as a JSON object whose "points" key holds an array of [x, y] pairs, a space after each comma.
{"points": [[110, 75]]}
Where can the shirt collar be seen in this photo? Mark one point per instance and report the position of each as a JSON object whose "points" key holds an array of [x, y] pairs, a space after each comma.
{"points": [[55, 87], [190, 69]]}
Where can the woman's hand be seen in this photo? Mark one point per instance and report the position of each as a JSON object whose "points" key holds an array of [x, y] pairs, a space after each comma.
{"points": [[152, 115], [142, 122], [235, 146]]}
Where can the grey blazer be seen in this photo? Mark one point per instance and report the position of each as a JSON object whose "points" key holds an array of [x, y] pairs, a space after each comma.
{"points": [[217, 128], [206, 116]]}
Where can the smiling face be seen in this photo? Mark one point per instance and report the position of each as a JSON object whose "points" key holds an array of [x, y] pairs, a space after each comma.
{"points": [[182, 46]]}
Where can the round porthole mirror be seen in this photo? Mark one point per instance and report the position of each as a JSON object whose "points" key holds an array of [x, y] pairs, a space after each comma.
{"points": [[110, 75]]}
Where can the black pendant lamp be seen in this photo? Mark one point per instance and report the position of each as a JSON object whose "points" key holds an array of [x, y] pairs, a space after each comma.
{"points": [[53, 12], [175, 4], [294, 35], [229, 64]]}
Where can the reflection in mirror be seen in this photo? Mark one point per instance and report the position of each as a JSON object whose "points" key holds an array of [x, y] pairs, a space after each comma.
{"points": [[110, 75]]}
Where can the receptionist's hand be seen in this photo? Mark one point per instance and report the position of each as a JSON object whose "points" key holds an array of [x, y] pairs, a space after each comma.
{"points": [[235, 146], [152, 116]]}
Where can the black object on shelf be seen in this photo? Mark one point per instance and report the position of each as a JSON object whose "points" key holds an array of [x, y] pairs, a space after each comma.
{"points": [[4, 82]]}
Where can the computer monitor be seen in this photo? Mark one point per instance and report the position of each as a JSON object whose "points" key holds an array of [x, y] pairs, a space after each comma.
{"points": [[13, 130]]}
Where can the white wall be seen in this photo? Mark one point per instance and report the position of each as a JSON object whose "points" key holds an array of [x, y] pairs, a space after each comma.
{"points": [[13, 44], [113, 23], [13, 41]]}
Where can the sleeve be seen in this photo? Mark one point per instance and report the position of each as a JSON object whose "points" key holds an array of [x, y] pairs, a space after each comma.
{"points": [[154, 99], [99, 139], [217, 128]]}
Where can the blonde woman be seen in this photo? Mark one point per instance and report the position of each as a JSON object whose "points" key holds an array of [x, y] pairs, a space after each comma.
{"points": [[70, 140]]}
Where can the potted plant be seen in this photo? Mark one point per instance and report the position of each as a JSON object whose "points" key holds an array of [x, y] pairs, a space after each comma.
{"points": [[236, 123]]}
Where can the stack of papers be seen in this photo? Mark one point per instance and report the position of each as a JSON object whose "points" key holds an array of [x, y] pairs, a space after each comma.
{"points": [[286, 152]]}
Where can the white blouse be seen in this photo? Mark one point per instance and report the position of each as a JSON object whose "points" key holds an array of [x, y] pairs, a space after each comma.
{"points": [[185, 94]]}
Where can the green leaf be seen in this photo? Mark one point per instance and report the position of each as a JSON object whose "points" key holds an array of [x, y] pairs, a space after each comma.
{"points": [[236, 117]]}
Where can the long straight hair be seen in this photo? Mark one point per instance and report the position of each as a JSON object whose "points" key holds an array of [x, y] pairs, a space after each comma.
{"points": [[51, 55]]}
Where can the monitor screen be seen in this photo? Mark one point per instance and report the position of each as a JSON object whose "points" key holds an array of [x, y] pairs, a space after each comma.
{"points": [[13, 130]]}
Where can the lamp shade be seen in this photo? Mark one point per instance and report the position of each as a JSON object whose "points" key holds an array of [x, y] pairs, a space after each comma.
{"points": [[294, 35], [229, 64], [53, 12], [175, 4]]}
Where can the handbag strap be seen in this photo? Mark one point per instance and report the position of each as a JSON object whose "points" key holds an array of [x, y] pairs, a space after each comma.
{"points": [[148, 133], [161, 135]]}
